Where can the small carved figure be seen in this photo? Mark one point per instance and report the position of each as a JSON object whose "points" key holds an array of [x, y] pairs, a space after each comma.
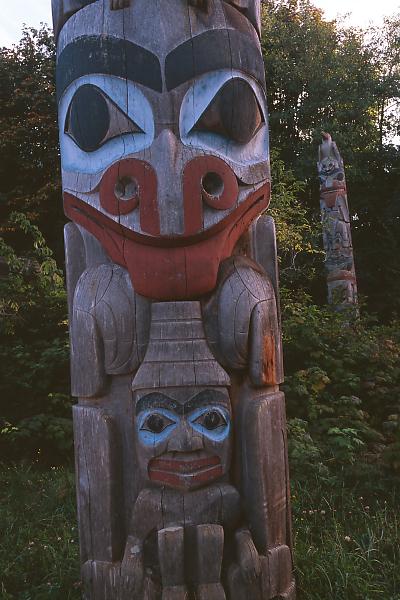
{"points": [[184, 447]]}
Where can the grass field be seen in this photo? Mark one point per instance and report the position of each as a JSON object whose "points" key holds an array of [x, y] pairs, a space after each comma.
{"points": [[347, 542]]}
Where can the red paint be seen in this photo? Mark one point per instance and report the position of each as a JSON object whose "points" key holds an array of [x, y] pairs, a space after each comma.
{"points": [[194, 193], [184, 466], [170, 268], [185, 474], [330, 197], [341, 276], [146, 197]]}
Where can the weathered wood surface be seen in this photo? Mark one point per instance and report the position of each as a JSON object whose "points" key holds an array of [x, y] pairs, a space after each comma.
{"points": [[99, 476], [176, 354]]}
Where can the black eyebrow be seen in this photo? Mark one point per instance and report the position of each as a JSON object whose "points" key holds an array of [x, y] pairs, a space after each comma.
{"points": [[211, 51], [108, 56], [158, 400], [205, 398]]}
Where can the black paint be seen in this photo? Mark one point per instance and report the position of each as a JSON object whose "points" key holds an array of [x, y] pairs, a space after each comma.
{"points": [[108, 56], [233, 113], [88, 118], [159, 400], [211, 51]]}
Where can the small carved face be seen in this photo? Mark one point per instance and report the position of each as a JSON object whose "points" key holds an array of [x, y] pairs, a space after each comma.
{"points": [[183, 436], [329, 165]]}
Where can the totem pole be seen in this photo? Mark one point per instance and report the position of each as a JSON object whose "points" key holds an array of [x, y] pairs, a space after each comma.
{"points": [[180, 435], [339, 261]]}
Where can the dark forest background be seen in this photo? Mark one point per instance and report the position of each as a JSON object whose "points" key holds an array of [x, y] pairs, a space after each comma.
{"points": [[342, 383]]}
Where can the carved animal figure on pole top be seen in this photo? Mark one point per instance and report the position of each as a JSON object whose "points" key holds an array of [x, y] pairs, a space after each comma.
{"points": [[176, 358], [339, 261]]}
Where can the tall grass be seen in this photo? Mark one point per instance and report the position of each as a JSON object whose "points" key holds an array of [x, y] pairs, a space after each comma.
{"points": [[347, 540], [347, 545], [39, 555]]}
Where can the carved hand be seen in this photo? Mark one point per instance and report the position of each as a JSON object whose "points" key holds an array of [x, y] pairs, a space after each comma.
{"points": [[132, 568], [247, 556]]}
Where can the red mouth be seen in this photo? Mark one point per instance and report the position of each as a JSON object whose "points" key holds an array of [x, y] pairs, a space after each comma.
{"points": [[169, 268], [184, 472]]}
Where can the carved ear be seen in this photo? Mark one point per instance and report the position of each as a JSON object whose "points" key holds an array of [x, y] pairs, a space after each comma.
{"points": [[252, 10], [63, 10]]}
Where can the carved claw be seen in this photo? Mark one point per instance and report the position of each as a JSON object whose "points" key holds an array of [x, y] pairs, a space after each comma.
{"points": [[132, 568], [247, 555], [118, 4]]}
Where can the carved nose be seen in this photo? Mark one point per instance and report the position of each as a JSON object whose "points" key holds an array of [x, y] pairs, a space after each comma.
{"points": [[167, 159], [185, 439]]}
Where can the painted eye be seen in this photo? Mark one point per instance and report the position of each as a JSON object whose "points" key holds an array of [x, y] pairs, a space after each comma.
{"points": [[156, 423], [234, 113], [92, 119], [211, 420]]}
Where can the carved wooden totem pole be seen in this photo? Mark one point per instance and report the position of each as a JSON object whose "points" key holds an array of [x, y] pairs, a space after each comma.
{"points": [[339, 262], [180, 436]]}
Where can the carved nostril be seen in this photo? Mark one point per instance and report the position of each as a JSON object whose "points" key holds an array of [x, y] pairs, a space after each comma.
{"points": [[213, 184], [126, 188]]}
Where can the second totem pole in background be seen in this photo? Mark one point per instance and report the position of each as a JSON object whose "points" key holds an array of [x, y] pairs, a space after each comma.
{"points": [[180, 433], [339, 261]]}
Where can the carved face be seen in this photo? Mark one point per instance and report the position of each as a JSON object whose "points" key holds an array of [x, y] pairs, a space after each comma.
{"points": [[331, 174], [164, 137], [183, 436]]}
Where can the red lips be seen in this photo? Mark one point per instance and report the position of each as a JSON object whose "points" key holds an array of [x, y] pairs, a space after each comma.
{"points": [[185, 473], [179, 268]]}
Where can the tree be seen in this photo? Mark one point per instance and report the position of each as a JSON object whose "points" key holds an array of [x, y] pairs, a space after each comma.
{"points": [[324, 76], [29, 166]]}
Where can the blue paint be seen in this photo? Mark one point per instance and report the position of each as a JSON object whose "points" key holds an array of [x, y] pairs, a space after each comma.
{"points": [[196, 101], [173, 421], [131, 101], [149, 438], [216, 435]]}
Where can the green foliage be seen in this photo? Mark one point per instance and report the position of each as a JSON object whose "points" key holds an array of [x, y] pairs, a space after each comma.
{"points": [[324, 76], [30, 159], [320, 77], [35, 406], [298, 230], [342, 388], [39, 557]]}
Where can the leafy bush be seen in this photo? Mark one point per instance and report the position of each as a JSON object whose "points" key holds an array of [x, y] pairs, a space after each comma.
{"points": [[342, 387], [35, 405]]}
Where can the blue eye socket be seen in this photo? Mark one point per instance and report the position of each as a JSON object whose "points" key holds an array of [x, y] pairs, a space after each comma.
{"points": [[213, 422], [155, 426], [93, 119], [156, 423]]}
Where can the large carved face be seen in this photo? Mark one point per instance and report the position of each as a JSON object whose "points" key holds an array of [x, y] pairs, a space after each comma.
{"points": [[183, 436], [164, 137]]}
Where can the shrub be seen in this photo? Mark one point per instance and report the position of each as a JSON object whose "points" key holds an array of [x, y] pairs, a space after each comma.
{"points": [[35, 405]]}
